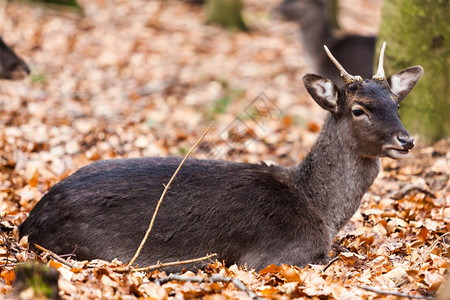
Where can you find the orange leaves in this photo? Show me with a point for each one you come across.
(284, 273)
(143, 90)
(423, 234)
(270, 269)
(313, 127)
(8, 276)
(54, 264)
(34, 179)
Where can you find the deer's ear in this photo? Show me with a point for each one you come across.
(403, 82)
(323, 91)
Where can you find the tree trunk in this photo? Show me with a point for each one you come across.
(332, 13)
(226, 13)
(417, 33)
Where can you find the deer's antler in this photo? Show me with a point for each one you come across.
(380, 72)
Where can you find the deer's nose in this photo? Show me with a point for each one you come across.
(407, 142)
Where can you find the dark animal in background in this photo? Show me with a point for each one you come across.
(355, 52)
(247, 213)
(197, 2)
(11, 65)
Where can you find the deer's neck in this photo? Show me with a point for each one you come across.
(335, 178)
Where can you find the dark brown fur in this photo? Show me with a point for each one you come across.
(247, 213)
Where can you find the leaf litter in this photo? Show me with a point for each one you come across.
(138, 78)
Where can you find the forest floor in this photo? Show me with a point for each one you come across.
(138, 78)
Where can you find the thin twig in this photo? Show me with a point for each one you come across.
(412, 187)
(306, 277)
(56, 256)
(214, 278)
(13, 264)
(331, 262)
(404, 277)
(430, 250)
(169, 264)
(393, 293)
(131, 262)
(8, 246)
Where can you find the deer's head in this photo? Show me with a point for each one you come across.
(366, 110)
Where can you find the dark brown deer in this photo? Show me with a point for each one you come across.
(11, 65)
(247, 213)
(356, 52)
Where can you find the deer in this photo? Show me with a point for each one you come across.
(11, 65)
(356, 52)
(254, 214)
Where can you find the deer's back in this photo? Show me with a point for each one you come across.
(103, 211)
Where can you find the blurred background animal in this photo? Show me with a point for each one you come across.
(317, 20)
(11, 65)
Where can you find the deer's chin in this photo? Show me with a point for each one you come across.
(395, 153)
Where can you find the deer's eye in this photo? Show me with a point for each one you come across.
(357, 112)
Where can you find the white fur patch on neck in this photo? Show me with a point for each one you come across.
(325, 89)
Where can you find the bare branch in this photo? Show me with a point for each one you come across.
(162, 265)
(412, 187)
(131, 262)
(8, 247)
(56, 256)
(404, 278)
(393, 293)
(330, 263)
